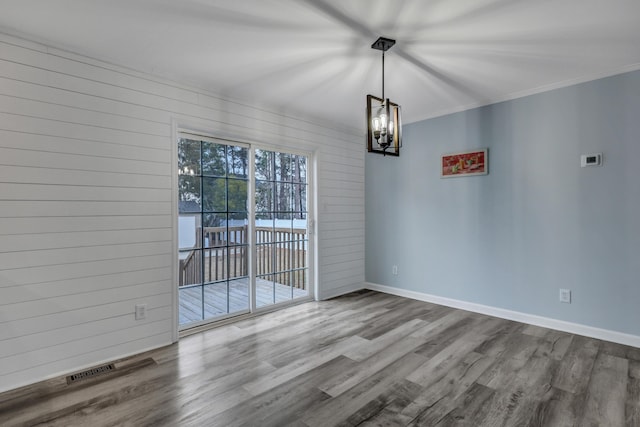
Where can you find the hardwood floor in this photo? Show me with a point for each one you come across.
(362, 359)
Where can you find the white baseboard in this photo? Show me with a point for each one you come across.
(531, 319)
(332, 293)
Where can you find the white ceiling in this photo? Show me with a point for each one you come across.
(313, 57)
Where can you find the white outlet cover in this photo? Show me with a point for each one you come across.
(565, 296)
(141, 311)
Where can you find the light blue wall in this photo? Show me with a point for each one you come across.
(538, 222)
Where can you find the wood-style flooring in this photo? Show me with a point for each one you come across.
(362, 359)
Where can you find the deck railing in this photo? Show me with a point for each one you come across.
(280, 256)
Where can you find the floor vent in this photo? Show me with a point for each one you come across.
(90, 373)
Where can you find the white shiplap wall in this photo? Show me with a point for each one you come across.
(86, 204)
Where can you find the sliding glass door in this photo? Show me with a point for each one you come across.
(228, 265)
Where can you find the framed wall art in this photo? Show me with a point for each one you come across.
(465, 163)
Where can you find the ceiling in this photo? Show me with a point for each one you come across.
(314, 57)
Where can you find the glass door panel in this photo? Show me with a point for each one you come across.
(280, 227)
(212, 230)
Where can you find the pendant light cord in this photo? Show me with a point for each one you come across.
(383, 76)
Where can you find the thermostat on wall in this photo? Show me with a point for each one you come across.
(591, 160)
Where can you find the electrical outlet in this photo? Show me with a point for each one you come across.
(141, 311)
(594, 159)
(565, 296)
(394, 270)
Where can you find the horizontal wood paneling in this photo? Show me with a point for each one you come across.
(61, 113)
(355, 168)
(344, 277)
(81, 147)
(340, 217)
(81, 285)
(44, 126)
(86, 203)
(39, 208)
(331, 185)
(44, 159)
(346, 236)
(13, 86)
(351, 193)
(49, 176)
(341, 222)
(347, 176)
(336, 248)
(338, 199)
(23, 344)
(55, 321)
(83, 360)
(340, 141)
(33, 225)
(97, 74)
(78, 239)
(31, 275)
(352, 156)
(73, 302)
(255, 123)
(59, 352)
(344, 264)
(335, 258)
(57, 257)
(13, 191)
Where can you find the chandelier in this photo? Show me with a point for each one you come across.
(384, 124)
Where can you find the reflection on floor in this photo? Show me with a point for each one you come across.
(215, 298)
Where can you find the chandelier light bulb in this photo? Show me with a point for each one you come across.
(376, 124)
(383, 123)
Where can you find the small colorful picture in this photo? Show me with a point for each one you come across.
(465, 163)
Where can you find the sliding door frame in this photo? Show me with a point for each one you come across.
(197, 130)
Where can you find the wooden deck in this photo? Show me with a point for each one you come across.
(216, 303)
